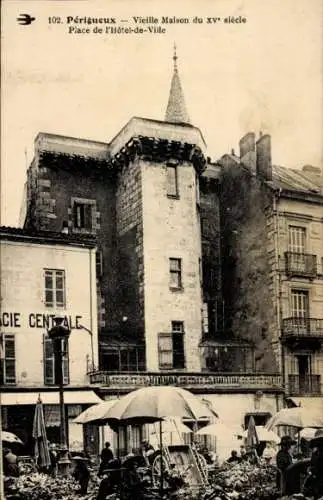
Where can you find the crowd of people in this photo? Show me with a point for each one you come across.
(299, 468)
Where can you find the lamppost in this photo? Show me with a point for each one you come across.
(59, 335)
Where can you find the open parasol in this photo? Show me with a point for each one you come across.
(153, 404)
(9, 437)
(95, 414)
(297, 417)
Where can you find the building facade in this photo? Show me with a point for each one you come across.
(151, 197)
(41, 279)
(273, 245)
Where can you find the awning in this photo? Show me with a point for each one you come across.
(49, 398)
(308, 402)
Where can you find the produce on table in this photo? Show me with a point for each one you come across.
(234, 481)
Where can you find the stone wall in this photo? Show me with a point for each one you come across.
(53, 183)
(247, 285)
(171, 230)
(129, 241)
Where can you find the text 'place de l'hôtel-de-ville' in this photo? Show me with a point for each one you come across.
(168, 268)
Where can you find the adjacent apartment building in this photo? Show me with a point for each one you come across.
(41, 279)
(272, 228)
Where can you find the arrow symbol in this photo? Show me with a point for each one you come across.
(25, 19)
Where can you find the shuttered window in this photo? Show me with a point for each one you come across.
(49, 362)
(9, 359)
(171, 347)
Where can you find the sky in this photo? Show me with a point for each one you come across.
(261, 75)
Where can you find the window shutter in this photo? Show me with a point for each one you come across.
(65, 363)
(49, 362)
(9, 359)
(165, 350)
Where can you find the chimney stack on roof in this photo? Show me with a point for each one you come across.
(247, 143)
(247, 146)
(263, 157)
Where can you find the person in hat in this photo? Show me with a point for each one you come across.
(313, 484)
(283, 461)
(106, 456)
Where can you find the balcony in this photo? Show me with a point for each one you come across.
(300, 264)
(303, 328)
(195, 382)
(304, 385)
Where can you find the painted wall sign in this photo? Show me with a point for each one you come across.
(37, 320)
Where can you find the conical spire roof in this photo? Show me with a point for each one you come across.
(176, 111)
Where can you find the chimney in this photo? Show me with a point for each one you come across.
(263, 157)
(247, 145)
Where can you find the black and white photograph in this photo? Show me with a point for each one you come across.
(161, 250)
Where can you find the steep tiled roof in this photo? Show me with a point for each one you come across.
(288, 179)
(296, 180)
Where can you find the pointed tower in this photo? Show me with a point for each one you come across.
(176, 108)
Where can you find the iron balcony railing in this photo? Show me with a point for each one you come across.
(203, 380)
(304, 385)
(300, 264)
(303, 327)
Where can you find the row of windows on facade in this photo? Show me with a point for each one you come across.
(83, 211)
(8, 365)
(170, 351)
(55, 282)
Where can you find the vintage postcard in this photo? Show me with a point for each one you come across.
(161, 241)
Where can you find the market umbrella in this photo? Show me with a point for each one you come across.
(252, 436)
(297, 417)
(9, 437)
(264, 435)
(226, 439)
(39, 434)
(152, 404)
(307, 433)
(218, 430)
(95, 414)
